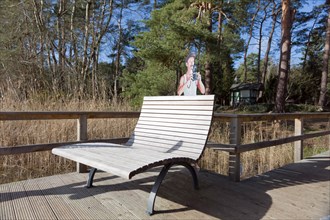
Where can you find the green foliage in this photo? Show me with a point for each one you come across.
(154, 80)
(174, 30)
(30, 54)
(223, 79)
(303, 86)
(166, 40)
(301, 108)
(244, 109)
(252, 70)
(266, 108)
(270, 89)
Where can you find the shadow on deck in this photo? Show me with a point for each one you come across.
(296, 191)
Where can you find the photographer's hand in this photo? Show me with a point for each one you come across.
(199, 77)
(200, 84)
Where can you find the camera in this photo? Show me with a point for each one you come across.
(194, 73)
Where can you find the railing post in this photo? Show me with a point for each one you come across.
(235, 158)
(82, 136)
(298, 145)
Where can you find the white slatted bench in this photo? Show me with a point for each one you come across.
(171, 130)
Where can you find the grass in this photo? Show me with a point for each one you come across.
(32, 165)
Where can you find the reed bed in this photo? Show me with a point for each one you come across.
(32, 165)
(38, 164)
(252, 162)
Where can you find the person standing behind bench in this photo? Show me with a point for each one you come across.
(189, 82)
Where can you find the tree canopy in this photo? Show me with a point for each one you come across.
(126, 49)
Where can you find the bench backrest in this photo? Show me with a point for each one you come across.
(177, 125)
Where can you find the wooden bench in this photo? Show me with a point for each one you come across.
(171, 130)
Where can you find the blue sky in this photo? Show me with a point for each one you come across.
(295, 57)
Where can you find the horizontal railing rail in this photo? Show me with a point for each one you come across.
(12, 116)
(235, 148)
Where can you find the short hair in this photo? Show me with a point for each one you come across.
(190, 55)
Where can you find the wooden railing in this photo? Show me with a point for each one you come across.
(235, 148)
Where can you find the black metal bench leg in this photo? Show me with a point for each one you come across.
(91, 177)
(161, 176)
(154, 190)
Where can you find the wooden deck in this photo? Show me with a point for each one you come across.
(296, 191)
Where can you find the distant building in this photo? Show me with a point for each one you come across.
(244, 93)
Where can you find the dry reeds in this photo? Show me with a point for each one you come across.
(252, 162)
(31, 165)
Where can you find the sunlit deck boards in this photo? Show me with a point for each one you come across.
(297, 191)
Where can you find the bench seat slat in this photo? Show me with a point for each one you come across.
(180, 98)
(94, 160)
(177, 107)
(123, 157)
(181, 154)
(116, 160)
(167, 133)
(174, 125)
(165, 147)
(156, 116)
(171, 102)
(173, 129)
(176, 112)
(96, 157)
(177, 121)
(168, 140)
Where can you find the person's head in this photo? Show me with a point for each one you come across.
(190, 60)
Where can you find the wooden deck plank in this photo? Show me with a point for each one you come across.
(95, 207)
(223, 202)
(84, 207)
(21, 203)
(296, 191)
(133, 196)
(6, 208)
(103, 181)
(39, 203)
(253, 197)
(69, 194)
(55, 198)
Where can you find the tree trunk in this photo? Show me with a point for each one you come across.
(208, 78)
(38, 14)
(259, 42)
(308, 45)
(84, 66)
(284, 65)
(249, 40)
(118, 55)
(269, 44)
(220, 37)
(92, 57)
(325, 67)
(208, 72)
(205, 9)
(73, 43)
(61, 44)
